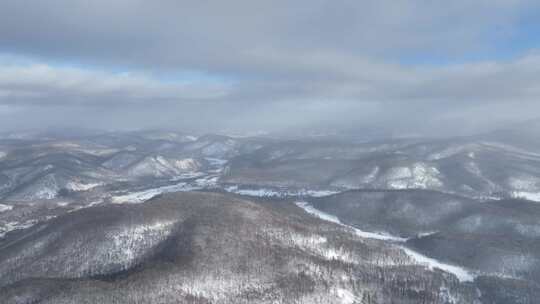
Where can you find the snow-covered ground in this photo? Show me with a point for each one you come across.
(372, 176)
(426, 234)
(474, 169)
(204, 180)
(45, 193)
(10, 226)
(268, 192)
(531, 196)
(525, 186)
(462, 274)
(345, 296)
(512, 149)
(144, 195)
(187, 176)
(4, 208)
(418, 176)
(523, 182)
(331, 218)
(131, 240)
(217, 162)
(78, 186)
(451, 151)
(209, 181)
(159, 166)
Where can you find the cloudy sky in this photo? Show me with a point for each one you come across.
(413, 66)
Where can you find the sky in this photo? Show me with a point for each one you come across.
(408, 67)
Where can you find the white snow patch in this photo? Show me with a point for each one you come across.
(331, 218)
(4, 208)
(207, 182)
(318, 245)
(399, 173)
(378, 236)
(531, 196)
(451, 151)
(94, 203)
(420, 175)
(254, 192)
(10, 226)
(77, 186)
(267, 192)
(98, 152)
(528, 230)
(213, 287)
(216, 161)
(128, 239)
(425, 176)
(454, 150)
(447, 296)
(336, 254)
(318, 193)
(345, 296)
(159, 166)
(187, 175)
(2, 154)
(186, 164)
(370, 178)
(473, 168)
(317, 213)
(524, 183)
(142, 196)
(426, 234)
(398, 184)
(46, 193)
(462, 274)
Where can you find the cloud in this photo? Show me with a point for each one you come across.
(221, 36)
(42, 84)
(271, 64)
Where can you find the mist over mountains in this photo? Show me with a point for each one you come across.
(167, 217)
(295, 152)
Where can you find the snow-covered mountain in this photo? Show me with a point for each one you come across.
(38, 169)
(500, 237)
(320, 220)
(467, 166)
(211, 248)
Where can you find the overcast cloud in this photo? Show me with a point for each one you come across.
(416, 66)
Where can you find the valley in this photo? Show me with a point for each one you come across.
(333, 219)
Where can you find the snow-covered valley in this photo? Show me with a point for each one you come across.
(415, 210)
(462, 274)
